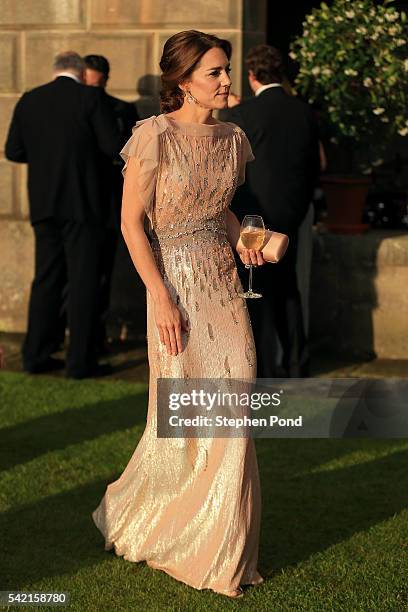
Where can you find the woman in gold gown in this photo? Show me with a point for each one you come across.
(191, 508)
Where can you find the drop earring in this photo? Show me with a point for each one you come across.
(190, 98)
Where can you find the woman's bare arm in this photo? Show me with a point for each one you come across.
(168, 317)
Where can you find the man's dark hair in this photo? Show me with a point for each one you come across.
(266, 63)
(97, 62)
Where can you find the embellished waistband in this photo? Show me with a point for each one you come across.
(202, 240)
(205, 229)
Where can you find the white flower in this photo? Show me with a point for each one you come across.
(403, 131)
(391, 16)
(331, 109)
(361, 30)
(316, 70)
(292, 55)
(406, 65)
(378, 110)
(368, 82)
(393, 30)
(384, 119)
(338, 19)
(350, 72)
(350, 14)
(399, 42)
(327, 71)
(374, 36)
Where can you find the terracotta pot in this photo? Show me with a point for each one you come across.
(345, 196)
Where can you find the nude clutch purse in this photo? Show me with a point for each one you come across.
(274, 246)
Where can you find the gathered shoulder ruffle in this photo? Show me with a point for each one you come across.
(144, 144)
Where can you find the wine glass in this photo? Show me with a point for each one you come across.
(252, 237)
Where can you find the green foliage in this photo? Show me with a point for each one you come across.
(353, 59)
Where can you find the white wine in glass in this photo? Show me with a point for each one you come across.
(252, 237)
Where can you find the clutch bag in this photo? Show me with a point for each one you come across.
(274, 246)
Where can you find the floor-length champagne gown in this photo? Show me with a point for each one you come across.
(191, 510)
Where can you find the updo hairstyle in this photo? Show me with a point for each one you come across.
(181, 54)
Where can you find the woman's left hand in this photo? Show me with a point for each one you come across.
(249, 256)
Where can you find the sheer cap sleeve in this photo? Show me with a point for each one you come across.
(144, 145)
(246, 155)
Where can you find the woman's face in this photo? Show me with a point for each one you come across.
(210, 82)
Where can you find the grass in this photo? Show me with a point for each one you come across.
(334, 519)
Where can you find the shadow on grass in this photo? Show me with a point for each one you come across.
(53, 536)
(31, 438)
(305, 513)
(129, 364)
(302, 515)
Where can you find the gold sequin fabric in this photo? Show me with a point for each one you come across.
(191, 506)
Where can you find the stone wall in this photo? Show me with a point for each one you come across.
(131, 33)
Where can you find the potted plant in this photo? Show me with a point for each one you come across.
(353, 65)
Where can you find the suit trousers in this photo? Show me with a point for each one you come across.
(304, 263)
(65, 251)
(277, 318)
(106, 272)
(107, 265)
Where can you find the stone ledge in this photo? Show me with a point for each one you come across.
(375, 247)
(358, 302)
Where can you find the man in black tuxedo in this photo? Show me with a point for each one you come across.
(62, 130)
(279, 186)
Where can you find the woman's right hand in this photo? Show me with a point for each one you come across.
(170, 324)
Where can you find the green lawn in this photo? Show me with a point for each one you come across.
(334, 519)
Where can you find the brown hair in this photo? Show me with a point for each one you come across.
(181, 54)
(266, 63)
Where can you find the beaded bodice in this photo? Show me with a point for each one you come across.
(195, 169)
(197, 177)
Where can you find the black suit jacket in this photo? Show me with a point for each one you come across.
(126, 115)
(64, 131)
(280, 181)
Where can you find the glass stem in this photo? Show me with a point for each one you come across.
(250, 278)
